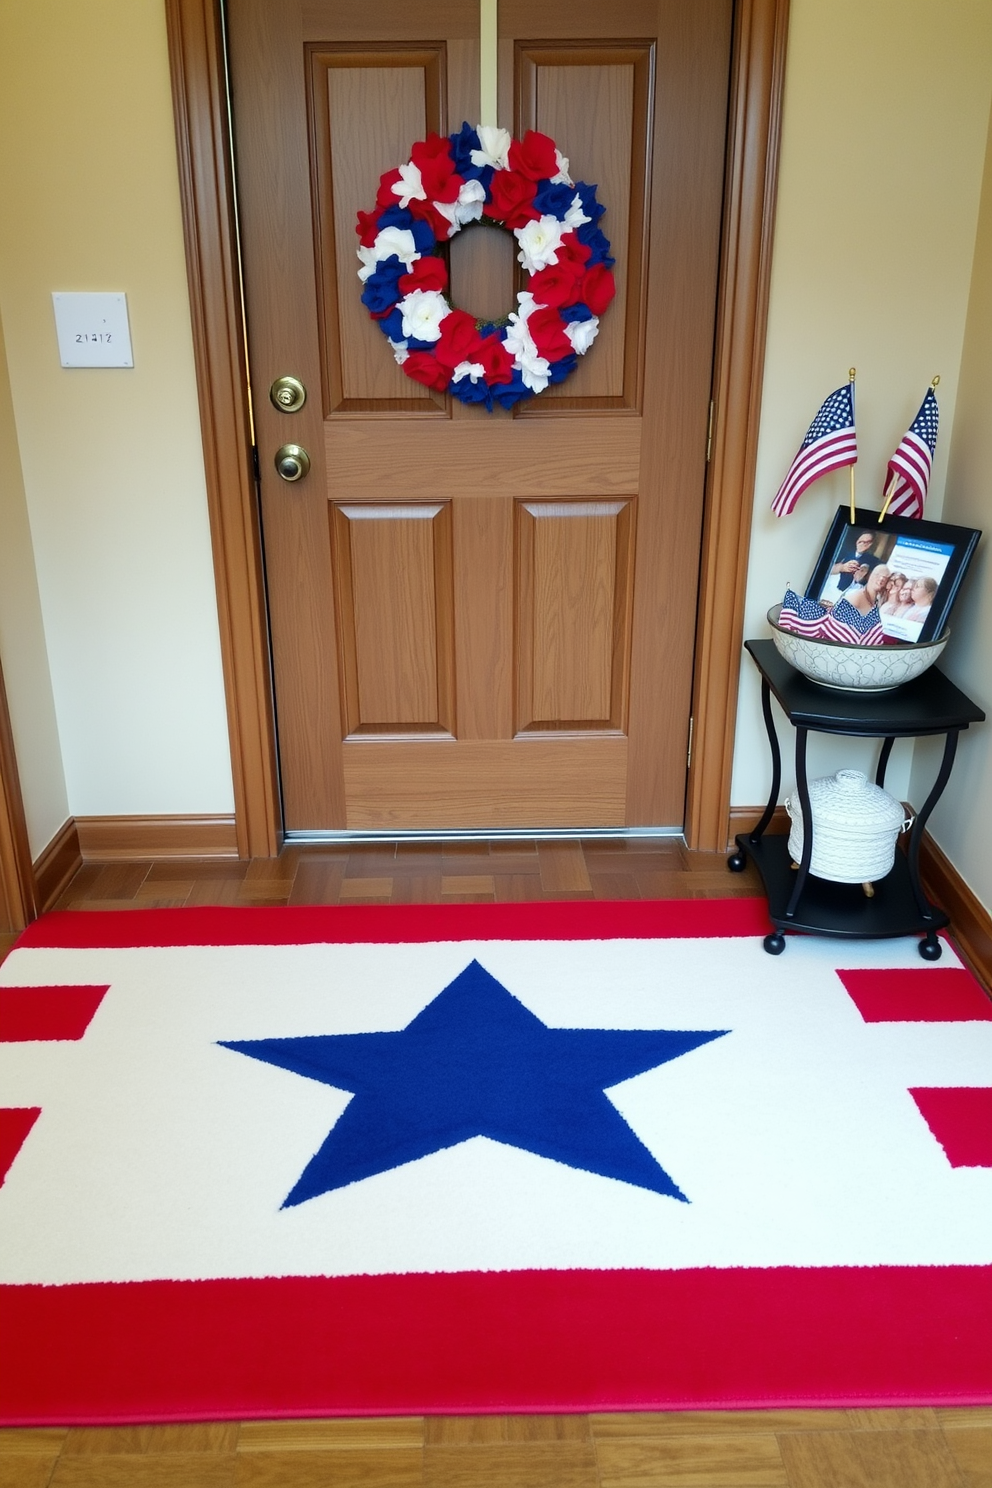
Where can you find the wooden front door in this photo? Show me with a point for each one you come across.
(481, 620)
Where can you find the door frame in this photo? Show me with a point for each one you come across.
(206, 180)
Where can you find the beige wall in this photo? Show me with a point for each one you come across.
(111, 460)
(22, 645)
(962, 823)
(884, 128)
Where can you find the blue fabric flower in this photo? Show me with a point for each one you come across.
(559, 370)
(554, 201)
(587, 196)
(598, 245)
(382, 288)
(508, 393)
(392, 325)
(398, 216)
(462, 145)
(569, 313)
(472, 392)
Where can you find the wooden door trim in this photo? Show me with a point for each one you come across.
(200, 106)
(18, 893)
(757, 78)
(206, 183)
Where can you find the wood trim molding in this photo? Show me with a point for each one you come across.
(206, 181)
(746, 818)
(137, 838)
(17, 885)
(199, 94)
(56, 865)
(758, 71)
(971, 923)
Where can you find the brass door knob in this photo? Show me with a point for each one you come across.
(288, 394)
(292, 462)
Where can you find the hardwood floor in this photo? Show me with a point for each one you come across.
(920, 1448)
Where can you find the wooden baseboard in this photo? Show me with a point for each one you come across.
(971, 922)
(135, 838)
(746, 818)
(56, 865)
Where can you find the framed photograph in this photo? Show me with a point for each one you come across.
(912, 569)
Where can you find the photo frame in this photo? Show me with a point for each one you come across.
(929, 559)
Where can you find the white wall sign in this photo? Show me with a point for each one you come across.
(93, 329)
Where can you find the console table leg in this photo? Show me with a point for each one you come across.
(766, 712)
(916, 835)
(807, 858)
(883, 760)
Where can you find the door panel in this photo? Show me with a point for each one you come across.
(481, 620)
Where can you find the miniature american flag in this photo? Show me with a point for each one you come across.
(801, 616)
(830, 443)
(909, 468)
(849, 626)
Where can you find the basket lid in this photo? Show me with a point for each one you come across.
(849, 799)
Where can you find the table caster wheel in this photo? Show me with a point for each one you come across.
(775, 944)
(931, 948)
(737, 862)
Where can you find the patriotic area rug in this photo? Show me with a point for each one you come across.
(512, 1158)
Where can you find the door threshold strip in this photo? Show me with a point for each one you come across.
(483, 834)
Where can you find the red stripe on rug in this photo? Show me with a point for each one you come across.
(15, 1123)
(498, 1342)
(960, 1117)
(918, 995)
(582, 919)
(29, 1014)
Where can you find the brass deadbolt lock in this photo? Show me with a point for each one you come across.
(288, 394)
(292, 462)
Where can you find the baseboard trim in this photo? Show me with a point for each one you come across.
(971, 923)
(135, 838)
(746, 818)
(56, 865)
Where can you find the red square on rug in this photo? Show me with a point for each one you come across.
(961, 1120)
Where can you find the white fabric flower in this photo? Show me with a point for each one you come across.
(562, 178)
(399, 351)
(535, 371)
(495, 147)
(582, 333)
(410, 186)
(398, 240)
(423, 311)
(472, 370)
(539, 242)
(575, 216)
(467, 207)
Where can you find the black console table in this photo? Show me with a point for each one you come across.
(797, 900)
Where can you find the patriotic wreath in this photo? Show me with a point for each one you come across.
(524, 186)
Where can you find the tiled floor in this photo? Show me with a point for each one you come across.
(732, 1449)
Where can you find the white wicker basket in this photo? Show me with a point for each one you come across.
(855, 826)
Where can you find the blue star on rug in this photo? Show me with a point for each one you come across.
(477, 1063)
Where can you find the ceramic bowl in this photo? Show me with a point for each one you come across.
(855, 668)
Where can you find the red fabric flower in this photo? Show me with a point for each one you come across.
(534, 156)
(368, 228)
(423, 367)
(571, 251)
(432, 157)
(427, 273)
(459, 340)
(558, 284)
(385, 196)
(512, 199)
(496, 360)
(598, 288)
(548, 330)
